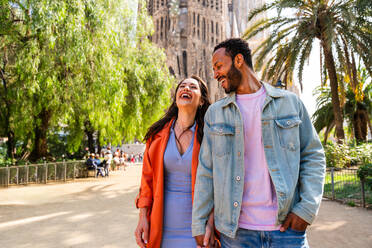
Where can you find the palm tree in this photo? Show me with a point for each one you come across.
(332, 22)
(356, 110)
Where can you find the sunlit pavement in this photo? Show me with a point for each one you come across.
(85, 213)
(101, 213)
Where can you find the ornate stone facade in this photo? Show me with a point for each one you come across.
(188, 30)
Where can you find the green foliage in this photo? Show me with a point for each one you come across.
(78, 66)
(365, 174)
(337, 155)
(363, 153)
(354, 101)
(365, 171)
(343, 155)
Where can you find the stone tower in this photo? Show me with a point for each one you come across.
(188, 30)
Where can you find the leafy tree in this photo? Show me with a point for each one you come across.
(15, 41)
(81, 67)
(136, 86)
(334, 23)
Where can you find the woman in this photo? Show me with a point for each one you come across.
(169, 169)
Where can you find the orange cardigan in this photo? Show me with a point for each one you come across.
(151, 193)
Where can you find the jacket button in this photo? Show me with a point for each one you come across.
(236, 204)
(237, 178)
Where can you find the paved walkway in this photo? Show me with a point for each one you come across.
(100, 213)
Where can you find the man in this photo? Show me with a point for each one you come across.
(108, 159)
(261, 164)
(90, 162)
(99, 165)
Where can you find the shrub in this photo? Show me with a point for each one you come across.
(343, 155)
(365, 174)
(337, 155)
(364, 153)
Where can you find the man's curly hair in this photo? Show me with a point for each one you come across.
(235, 46)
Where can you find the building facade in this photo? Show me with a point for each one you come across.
(188, 30)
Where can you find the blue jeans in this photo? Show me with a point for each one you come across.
(266, 239)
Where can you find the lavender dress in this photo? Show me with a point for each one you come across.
(177, 196)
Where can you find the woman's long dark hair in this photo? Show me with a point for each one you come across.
(172, 112)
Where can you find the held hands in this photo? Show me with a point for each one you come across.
(294, 222)
(142, 230)
(208, 239)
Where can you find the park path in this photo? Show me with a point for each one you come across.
(100, 213)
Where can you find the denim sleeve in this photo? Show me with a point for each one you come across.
(203, 194)
(312, 169)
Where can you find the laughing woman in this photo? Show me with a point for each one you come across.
(169, 169)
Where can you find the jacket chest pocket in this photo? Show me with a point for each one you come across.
(223, 138)
(288, 131)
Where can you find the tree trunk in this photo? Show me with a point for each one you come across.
(40, 142)
(330, 65)
(369, 123)
(89, 131)
(99, 147)
(327, 131)
(7, 113)
(10, 145)
(360, 123)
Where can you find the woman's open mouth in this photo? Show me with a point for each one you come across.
(186, 95)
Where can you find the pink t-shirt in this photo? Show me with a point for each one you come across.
(259, 206)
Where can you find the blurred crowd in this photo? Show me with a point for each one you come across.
(106, 161)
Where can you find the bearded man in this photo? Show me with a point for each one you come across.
(261, 164)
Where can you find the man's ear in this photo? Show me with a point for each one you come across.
(239, 60)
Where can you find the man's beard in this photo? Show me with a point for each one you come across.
(234, 77)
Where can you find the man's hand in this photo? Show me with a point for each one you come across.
(142, 230)
(207, 239)
(294, 222)
(199, 240)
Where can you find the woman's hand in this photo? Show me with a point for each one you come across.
(142, 230)
(209, 238)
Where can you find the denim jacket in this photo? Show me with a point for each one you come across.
(294, 155)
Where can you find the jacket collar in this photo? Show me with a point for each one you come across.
(270, 91)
